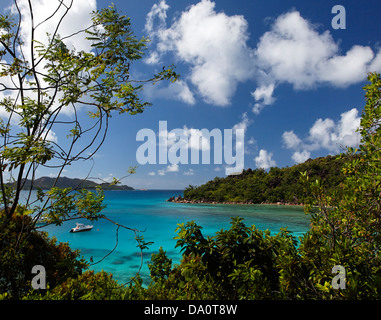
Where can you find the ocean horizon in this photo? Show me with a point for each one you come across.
(148, 211)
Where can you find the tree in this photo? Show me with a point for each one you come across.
(20, 250)
(46, 84)
(345, 229)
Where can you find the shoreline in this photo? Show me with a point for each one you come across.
(180, 199)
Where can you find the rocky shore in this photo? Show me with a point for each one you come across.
(180, 199)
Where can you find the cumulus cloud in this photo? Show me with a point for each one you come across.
(169, 168)
(173, 168)
(334, 137)
(264, 97)
(77, 18)
(294, 52)
(214, 47)
(291, 140)
(51, 16)
(212, 44)
(300, 157)
(264, 160)
(325, 135)
(244, 123)
(178, 90)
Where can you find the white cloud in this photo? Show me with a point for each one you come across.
(153, 58)
(264, 93)
(193, 138)
(325, 135)
(252, 141)
(158, 11)
(109, 178)
(346, 132)
(178, 90)
(213, 44)
(351, 68)
(50, 136)
(321, 134)
(151, 173)
(376, 63)
(300, 157)
(293, 51)
(169, 168)
(189, 138)
(245, 122)
(182, 92)
(190, 172)
(173, 168)
(264, 160)
(334, 137)
(291, 140)
(77, 18)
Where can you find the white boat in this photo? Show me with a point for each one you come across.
(81, 227)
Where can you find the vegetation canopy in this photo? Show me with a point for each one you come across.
(278, 185)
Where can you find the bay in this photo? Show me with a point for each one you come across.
(148, 211)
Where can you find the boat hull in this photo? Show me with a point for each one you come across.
(80, 230)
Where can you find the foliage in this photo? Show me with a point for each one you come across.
(87, 286)
(346, 228)
(46, 86)
(21, 249)
(277, 185)
(57, 80)
(160, 266)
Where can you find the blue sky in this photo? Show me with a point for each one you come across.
(275, 68)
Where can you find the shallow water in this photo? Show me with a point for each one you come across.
(149, 211)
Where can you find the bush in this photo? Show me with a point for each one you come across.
(22, 248)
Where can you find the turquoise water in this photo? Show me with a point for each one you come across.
(149, 211)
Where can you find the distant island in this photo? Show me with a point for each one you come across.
(47, 183)
(280, 186)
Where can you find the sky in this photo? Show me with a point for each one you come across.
(288, 74)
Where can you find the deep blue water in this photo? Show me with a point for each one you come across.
(149, 211)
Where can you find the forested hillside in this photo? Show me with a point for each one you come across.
(46, 183)
(277, 185)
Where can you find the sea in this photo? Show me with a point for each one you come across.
(157, 220)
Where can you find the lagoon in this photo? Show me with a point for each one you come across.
(149, 211)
